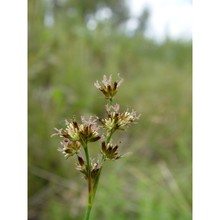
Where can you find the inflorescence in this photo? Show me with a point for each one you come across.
(77, 135)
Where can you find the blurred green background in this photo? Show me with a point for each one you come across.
(69, 48)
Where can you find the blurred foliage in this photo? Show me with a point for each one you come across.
(66, 57)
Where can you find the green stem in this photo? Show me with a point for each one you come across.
(108, 138)
(89, 207)
(88, 169)
(90, 189)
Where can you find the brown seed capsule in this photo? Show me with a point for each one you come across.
(81, 161)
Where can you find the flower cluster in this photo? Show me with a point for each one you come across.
(116, 120)
(94, 168)
(76, 135)
(109, 151)
(69, 147)
(109, 88)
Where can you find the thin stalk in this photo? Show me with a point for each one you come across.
(88, 169)
(90, 189)
(108, 138)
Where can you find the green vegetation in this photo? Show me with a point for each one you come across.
(64, 61)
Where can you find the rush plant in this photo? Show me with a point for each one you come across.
(77, 136)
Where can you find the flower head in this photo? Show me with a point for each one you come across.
(110, 151)
(116, 120)
(69, 148)
(76, 135)
(94, 168)
(108, 88)
(85, 132)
